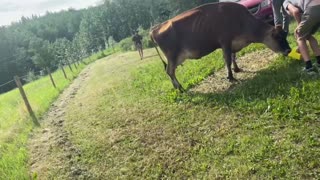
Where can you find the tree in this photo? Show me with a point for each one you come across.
(43, 55)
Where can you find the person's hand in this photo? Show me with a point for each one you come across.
(295, 12)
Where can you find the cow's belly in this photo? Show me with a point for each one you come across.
(198, 49)
(194, 53)
(238, 44)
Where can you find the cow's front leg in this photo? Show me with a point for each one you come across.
(228, 61)
(171, 71)
(236, 68)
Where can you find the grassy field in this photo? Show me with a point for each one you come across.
(15, 123)
(135, 126)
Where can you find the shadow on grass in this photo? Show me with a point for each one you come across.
(273, 82)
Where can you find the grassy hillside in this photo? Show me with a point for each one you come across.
(128, 122)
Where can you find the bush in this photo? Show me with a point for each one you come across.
(126, 44)
(30, 77)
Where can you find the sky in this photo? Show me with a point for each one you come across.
(13, 10)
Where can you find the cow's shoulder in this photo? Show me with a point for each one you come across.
(169, 25)
(186, 15)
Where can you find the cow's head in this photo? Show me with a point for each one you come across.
(276, 40)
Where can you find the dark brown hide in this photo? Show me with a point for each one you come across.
(199, 31)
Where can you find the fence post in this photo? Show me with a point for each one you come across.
(25, 99)
(64, 73)
(75, 65)
(70, 66)
(49, 72)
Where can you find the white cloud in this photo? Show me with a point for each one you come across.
(13, 10)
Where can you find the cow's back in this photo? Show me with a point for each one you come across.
(214, 21)
(204, 28)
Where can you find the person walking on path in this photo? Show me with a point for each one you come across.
(136, 38)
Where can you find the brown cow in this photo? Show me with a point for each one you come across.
(199, 31)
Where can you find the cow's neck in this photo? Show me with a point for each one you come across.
(261, 31)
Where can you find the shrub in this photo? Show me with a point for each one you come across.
(30, 77)
(126, 44)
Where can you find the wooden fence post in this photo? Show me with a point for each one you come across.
(75, 65)
(25, 99)
(70, 66)
(64, 73)
(49, 72)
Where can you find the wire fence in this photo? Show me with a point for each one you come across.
(16, 81)
(4, 84)
(11, 82)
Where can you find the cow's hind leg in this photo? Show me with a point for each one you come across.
(236, 68)
(228, 60)
(171, 71)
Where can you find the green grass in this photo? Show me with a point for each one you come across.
(135, 126)
(15, 123)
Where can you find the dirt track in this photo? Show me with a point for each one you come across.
(50, 147)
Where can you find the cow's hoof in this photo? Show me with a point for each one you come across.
(232, 79)
(237, 70)
(181, 89)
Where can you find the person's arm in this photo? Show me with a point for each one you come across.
(294, 11)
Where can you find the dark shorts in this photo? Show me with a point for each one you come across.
(310, 22)
(138, 45)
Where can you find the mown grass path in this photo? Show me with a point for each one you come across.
(50, 148)
(51, 152)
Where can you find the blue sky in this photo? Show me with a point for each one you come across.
(13, 10)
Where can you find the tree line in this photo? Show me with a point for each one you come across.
(62, 38)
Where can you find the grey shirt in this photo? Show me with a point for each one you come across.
(302, 4)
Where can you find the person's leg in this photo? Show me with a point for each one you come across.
(315, 48)
(277, 15)
(286, 18)
(308, 26)
(141, 52)
(314, 45)
(138, 49)
(303, 32)
(303, 48)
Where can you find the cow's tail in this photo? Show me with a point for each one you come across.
(155, 45)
